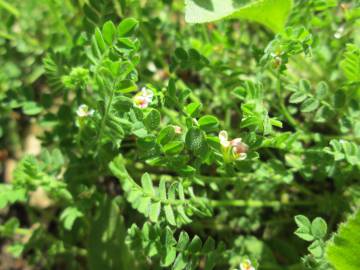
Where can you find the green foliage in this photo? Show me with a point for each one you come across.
(344, 150)
(177, 254)
(167, 203)
(130, 139)
(350, 65)
(315, 233)
(342, 251)
(272, 14)
(29, 175)
(10, 195)
(106, 243)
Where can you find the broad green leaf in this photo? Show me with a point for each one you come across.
(271, 13)
(343, 250)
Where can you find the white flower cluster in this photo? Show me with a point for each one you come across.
(83, 111)
(246, 265)
(143, 98)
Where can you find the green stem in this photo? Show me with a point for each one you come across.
(283, 108)
(18, 231)
(205, 34)
(244, 203)
(103, 120)
(257, 203)
(10, 8)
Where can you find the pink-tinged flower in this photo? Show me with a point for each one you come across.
(239, 148)
(83, 111)
(143, 98)
(246, 265)
(178, 130)
(234, 149)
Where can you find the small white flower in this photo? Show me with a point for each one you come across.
(178, 130)
(143, 98)
(223, 136)
(246, 265)
(151, 66)
(83, 111)
(339, 33)
(241, 156)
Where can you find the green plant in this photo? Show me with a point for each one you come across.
(341, 251)
(144, 142)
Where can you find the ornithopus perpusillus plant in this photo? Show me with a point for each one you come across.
(196, 134)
